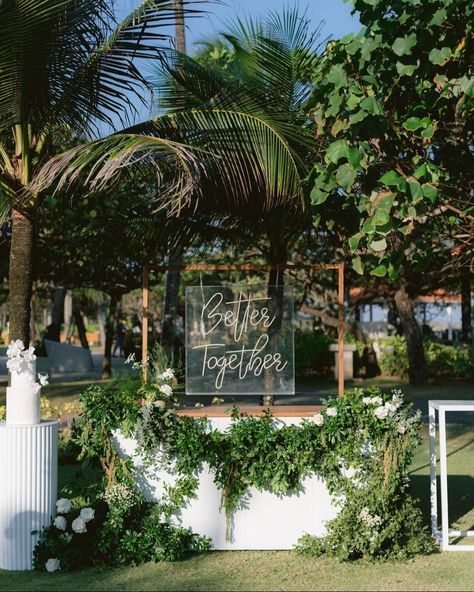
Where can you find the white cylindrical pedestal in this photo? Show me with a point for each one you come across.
(28, 489)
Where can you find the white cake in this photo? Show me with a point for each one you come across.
(23, 394)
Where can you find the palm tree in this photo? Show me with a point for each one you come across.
(66, 69)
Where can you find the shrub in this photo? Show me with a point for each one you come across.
(312, 355)
(442, 360)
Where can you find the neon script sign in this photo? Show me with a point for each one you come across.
(239, 340)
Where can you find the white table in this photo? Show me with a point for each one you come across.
(443, 535)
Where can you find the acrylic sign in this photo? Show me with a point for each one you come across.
(239, 340)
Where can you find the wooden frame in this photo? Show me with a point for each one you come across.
(203, 267)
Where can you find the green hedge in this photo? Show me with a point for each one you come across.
(312, 355)
(442, 360)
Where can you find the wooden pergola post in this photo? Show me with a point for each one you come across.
(204, 267)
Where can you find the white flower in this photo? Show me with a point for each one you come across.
(87, 514)
(198, 405)
(401, 428)
(63, 505)
(397, 399)
(331, 411)
(166, 390)
(381, 412)
(43, 378)
(60, 522)
(15, 364)
(15, 348)
(318, 419)
(130, 359)
(79, 525)
(217, 401)
(168, 374)
(52, 564)
(367, 400)
(348, 473)
(29, 354)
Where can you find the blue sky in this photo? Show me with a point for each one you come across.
(336, 15)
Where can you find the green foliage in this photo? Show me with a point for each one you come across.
(396, 110)
(442, 360)
(362, 444)
(312, 355)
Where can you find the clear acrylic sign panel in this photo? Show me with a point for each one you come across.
(239, 340)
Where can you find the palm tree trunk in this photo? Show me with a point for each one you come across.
(180, 30)
(414, 338)
(20, 279)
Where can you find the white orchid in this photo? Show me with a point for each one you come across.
(60, 523)
(53, 564)
(87, 514)
(79, 525)
(29, 354)
(15, 348)
(43, 379)
(63, 505)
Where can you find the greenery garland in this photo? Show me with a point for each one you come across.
(362, 444)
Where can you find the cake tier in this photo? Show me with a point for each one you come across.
(26, 376)
(23, 405)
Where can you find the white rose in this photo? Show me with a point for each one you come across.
(60, 522)
(377, 401)
(381, 412)
(87, 514)
(367, 400)
(79, 525)
(318, 419)
(331, 411)
(401, 429)
(166, 390)
(63, 505)
(43, 378)
(52, 564)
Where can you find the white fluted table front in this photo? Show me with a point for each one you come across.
(28, 489)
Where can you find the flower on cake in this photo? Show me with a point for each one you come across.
(53, 564)
(63, 505)
(43, 379)
(60, 523)
(15, 348)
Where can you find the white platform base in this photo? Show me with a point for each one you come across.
(28, 489)
(266, 520)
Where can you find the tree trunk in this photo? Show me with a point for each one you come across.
(57, 314)
(109, 337)
(81, 328)
(413, 336)
(20, 279)
(170, 308)
(466, 307)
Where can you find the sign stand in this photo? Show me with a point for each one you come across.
(442, 536)
(203, 267)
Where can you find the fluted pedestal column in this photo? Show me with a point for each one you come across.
(28, 489)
